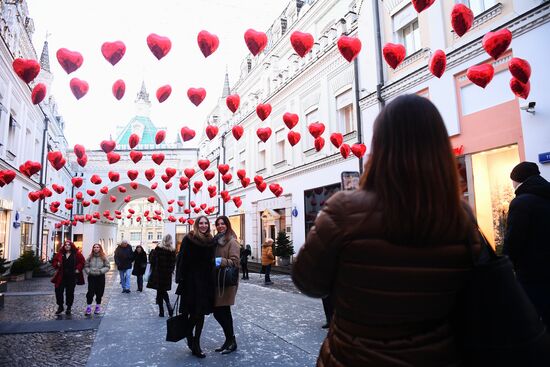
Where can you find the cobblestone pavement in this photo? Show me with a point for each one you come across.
(282, 282)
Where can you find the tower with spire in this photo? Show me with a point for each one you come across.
(226, 91)
(45, 75)
(143, 104)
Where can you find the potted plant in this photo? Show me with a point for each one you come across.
(17, 270)
(26, 264)
(283, 248)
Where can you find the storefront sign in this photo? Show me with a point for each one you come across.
(544, 157)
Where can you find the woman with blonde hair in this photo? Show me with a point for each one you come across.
(195, 265)
(162, 259)
(96, 267)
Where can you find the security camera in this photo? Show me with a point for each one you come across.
(529, 107)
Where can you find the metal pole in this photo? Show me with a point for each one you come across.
(358, 109)
(71, 215)
(379, 64)
(43, 173)
(222, 151)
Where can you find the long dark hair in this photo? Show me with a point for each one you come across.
(413, 171)
(229, 232)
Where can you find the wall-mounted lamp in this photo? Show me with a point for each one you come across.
(529, 107)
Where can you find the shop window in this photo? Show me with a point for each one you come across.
(311, 116)
(79, 208)
(406, 30)
(135, 236)
(26, 237)
(261, 155)
(344, 112)
(149, 236)
(280, 140)
(478, 6)
(12, 136)
(314, 200)
(493, 190)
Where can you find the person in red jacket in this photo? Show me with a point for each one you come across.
(69, 263)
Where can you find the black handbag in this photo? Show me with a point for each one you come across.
(177, 326)
(227, 276)
(496, 323)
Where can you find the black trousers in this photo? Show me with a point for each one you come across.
(267, 273)
(140, 282)
(96, 287)
(244, 267)
(162, 296)
(223, 316)
(66, 286)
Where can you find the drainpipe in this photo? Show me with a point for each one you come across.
(71, 215)
(43, 173)
(379, 65)
(222, 151)
(358, 109)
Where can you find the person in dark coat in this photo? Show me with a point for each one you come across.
(69, 263)
(140, 264)
(245, 253)
(527, 239)
(194, 275)
(394, 254)
(162, 260)
(123, 260)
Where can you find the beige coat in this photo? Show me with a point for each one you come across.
(230, 254)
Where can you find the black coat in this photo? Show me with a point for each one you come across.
(527, 240)
(124, 257)
(194, 275)
(162, 266)
(245, 253)
(140, 263)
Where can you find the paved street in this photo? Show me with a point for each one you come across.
(274, 325)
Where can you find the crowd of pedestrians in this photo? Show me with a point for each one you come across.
(391, 260)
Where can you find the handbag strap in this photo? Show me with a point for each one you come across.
(176, 305)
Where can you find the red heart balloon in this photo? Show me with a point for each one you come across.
(170, 172)
(421, 5)
(336, 139)
(196, 95)
(232, 101)
(290, 119)
(160, 136)
(114, 176)
(7, 176)
(104, 190)
(154, 186)
(133, 141)
(241, 174)
(113, 157)
(223, 168)
(263, 133)
(165, 178)
(462, 19)
(38, 93)
(54, 157)
(188, 172)
(211, 131)
(245, 181)
(136, 156)
(113, 199)
(122, 189)
(520, 69)
(520, 89)
(158, 158)
(197, 184)
(276, 189)
(69, 60)
(345, 150)
(301, 42)
(316, 129)
(79, 150)
(151, 199)
(134, 185)
(26, 69)
(79, 87)
(293, 137)
(255, 41)
(237, 131)
(77, 181)
(496, 43)
(208, 42)
(164, 92)
(258, 179)
(107, 145)
(261, 186)
(349, 47)
(95, 179)
(227, 178)
(203, 164)
(438, 63)
(237, 201)
(119, 88)
(481, 75)
(209, 175)
(187, 133)
(159, 45)
(358, 149)
(319, 143)
(82, 161)
(57, 188)
(113, 51)
(34, 195)
(263, 111)
(132, 174)
(168, 186)
(394, 54)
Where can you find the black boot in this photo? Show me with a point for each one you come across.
(196, 349)
(60, 310)
(161, 310)
(231, 347)
(223, 347)
(68, 311)
(190, 341)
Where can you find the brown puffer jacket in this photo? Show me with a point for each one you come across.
(392, 302)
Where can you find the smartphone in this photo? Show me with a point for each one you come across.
(350, 180)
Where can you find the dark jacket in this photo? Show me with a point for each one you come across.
(194, 275)
(527, 240)
(78, 262)
(392, 302)
(140, 263)
(162, 261)
(245, 253)
(124, 257)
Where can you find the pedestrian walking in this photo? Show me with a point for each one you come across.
(96, 267)
(140, 265)
(394, 253)
(267, 259)
(227, 255)
(69, 263)
(162, 259)
(123, 260)
(527, 239)
(245, 253)
(195, 265)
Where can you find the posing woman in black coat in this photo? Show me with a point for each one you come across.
(140, 264)
(162, 259)
(194, 271)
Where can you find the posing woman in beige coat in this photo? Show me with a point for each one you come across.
(227, 254)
